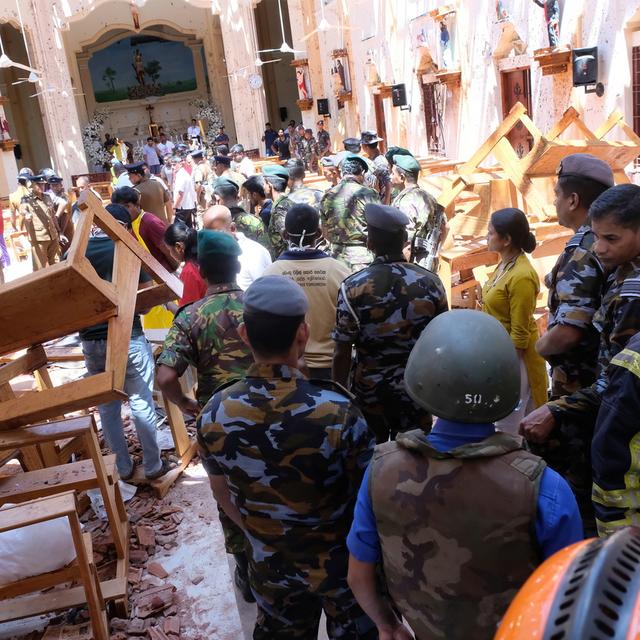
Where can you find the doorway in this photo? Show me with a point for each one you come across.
(279, 78)
(516, 87)
(381, 123)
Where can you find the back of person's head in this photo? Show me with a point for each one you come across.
(255, 184)
(119, 168)
(120, 213)
(622, 203)
(279, 184)
(351, 168)
(384, 242)
(513, 223)
(296, 169)
(178, 231)
(274, 309)
(125, 195)
(217, 218)
(222, 150)
(218, 256)
(302, 224)
(227, 192)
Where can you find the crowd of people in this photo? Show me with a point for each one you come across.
(364, 443)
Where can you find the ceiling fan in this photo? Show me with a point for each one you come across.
(324, 25)
(33, 77)
(284, 47)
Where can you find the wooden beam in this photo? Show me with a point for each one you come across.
(72, 396)
(567, 119)
(35, 358)
(38, 510)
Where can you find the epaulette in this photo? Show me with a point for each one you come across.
(630, 288)
(331, 385)
(24, 200)
(577, 239)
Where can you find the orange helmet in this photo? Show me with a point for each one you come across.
(588, 591)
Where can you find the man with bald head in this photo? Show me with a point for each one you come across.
(254, 258)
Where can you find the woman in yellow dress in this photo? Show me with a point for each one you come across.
(510, 296)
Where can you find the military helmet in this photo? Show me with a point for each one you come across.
(587, 590)
(465, 368)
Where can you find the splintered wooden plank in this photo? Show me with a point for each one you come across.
(73, 396)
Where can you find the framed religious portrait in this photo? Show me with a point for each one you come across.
(303, 84)
(340, 78)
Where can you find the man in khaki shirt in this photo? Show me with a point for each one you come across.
(319, 275)
(154, 196)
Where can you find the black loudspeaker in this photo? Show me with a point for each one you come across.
(399, 95)
(284, 113)
(323, 106)
(585, 66)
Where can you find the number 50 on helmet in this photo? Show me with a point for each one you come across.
(464, 368)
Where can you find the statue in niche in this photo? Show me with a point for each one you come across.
(135, 15)
(552, 18)
(445, 45)
(138, 67)
(501, 11)
(301, 81)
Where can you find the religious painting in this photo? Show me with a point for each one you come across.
(419, 30)
(446, 42)
(141, 66)
(340, 79)
(302, 82)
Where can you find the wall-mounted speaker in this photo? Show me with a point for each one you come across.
(585, 66)
(323, 106)
(399, 95)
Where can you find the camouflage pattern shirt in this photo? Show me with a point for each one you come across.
(575, 290)
(421, 208)
(306, 195)
(308, 150)
(342, 212)
(382, 173)
(382, 310)
(276, 224)
(205, 334)
(252, 226)
(323, 144)
(617, 320)
(293, 452)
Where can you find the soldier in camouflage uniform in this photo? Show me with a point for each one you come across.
(40, 222)
(323, 144)
(342, 214)
(285, 456)
(226, 193)
(615, 219)
(461, 516)
(382, 310)
(298, 192)
(309, 156)
(575, 284)
(427, 216)
(204, 334)
(381, 168)
(276, 179)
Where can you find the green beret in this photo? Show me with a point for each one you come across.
(355, 158)
(396, 151)
(217, 243)
(223, 181)
(275, 171)
(408, 163)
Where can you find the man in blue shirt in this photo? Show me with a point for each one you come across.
(461, 516)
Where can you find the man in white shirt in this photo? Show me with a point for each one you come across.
(151, 156)
(165, 147)
(122, 176)
(241, 163)
(194, 134)
(254, 258)
(184, 195)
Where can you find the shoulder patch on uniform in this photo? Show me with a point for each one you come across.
(528, 466)
(628, 359)
(331, 385)
(630, 288)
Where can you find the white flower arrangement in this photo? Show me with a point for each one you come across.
(208, 111)
(92, 139)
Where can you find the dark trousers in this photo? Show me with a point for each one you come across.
(186, 216)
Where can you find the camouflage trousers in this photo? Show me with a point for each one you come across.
(234, 540)
(354, 256)
(293, 612)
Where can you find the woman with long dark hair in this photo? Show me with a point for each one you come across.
(182, 241)
(510, 296)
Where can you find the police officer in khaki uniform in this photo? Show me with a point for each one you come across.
(40, 222)
(15, 198)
